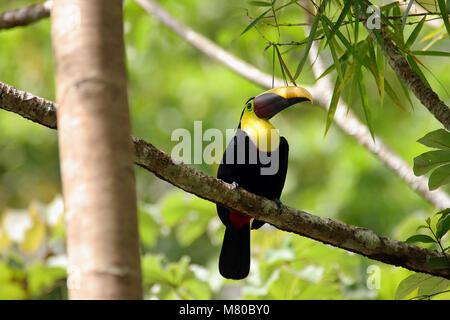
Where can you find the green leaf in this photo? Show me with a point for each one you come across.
(436, 139)
(442, 227)
(420, 238)
(259, 4)
(254, 22)
(429, 160)
(413, 36)
(333, 104)
(438, 263)
(433, 285)
(333, 51)
(413, 64)
(381, 67)
(392, 94)
(336, 26)
(443, 213)
(421, 227)
(312, 33)
(444, 13)
(431, 53)
(409, 284)
(405, 14)
(439, 177)
(365, 104)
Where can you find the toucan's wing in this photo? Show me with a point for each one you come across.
(279, 178)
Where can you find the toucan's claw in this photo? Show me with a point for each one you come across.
(279, 205)
(235, 185)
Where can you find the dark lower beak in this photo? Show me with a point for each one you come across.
(271, 102)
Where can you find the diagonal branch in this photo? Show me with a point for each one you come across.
(400, 65)
(359, 240)
(322, 93)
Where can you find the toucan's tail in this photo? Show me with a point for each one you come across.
(234, 261)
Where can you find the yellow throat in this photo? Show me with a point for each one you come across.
(263, 134)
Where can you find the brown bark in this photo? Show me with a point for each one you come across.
(359, 240)
(95, 150)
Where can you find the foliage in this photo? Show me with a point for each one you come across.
(427, 285)
(352, 49)
(171, 85)
(427, 161)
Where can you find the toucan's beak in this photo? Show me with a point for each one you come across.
(269, 103)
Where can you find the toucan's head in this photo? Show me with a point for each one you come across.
(269, 103)
(258, 110)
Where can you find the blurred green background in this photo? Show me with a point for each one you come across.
(171, 85)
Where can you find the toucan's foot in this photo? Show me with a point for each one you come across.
(235, 185)
(279, 205)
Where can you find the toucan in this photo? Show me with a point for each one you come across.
(256, 159)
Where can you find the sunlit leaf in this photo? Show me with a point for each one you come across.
(433, 285)
(409, 284)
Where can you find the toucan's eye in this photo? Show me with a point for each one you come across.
(249, 106)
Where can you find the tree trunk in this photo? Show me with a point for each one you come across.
(96, 150)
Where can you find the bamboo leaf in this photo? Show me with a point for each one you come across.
(413, 36)
(405, 14)
(413, 64)
(444, 13)
(431, 53)
(333, 104)
(392, 94)
(283, 65)
(312, 33)
(381, 67)
(254, 22)
(333, 51)
(365, 104)
(338, 23)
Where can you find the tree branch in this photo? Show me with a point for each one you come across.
(359, 240)
(398, 63)
(25, 16)
(322, 93)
